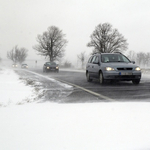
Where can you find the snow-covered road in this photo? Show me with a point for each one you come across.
(55, 126)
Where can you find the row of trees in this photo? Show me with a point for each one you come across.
(52, 43)
(141, 58)
(104, 39)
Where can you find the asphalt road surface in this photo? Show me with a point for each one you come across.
(94, 92)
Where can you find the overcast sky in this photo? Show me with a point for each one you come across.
(23, 20)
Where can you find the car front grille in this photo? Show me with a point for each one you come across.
(125, 77)
(53, 67)
(124, 68)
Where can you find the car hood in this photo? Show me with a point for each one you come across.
(120, 65)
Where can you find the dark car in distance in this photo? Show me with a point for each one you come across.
(24, 66)
(112, 66)
(50, 67)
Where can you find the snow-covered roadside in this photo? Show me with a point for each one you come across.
(17, 89)
(12, 90)
(106, 126)
(53, 126)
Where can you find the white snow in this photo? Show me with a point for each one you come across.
(53, 80)
(12, 90)
(53, 126)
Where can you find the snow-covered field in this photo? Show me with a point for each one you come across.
(55, 126)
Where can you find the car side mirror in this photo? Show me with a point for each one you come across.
(133, 62)
(95, 62)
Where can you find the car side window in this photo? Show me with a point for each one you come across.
(93, 59)
(96, 59)
(90, 59)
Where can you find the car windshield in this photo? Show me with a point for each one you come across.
(51, 63)
(106, 58)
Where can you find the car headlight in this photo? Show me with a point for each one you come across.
(48, 67)
(57, 67)
(137, 68)
(109, 69)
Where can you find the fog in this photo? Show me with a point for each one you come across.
(22, 21)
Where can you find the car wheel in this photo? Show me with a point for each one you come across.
(136, 81)
(101, 78)
(88, 77)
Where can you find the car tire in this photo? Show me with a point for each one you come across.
(136, 81)
(101, 78)
(88, 77)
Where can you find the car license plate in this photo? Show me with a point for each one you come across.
(125, 73)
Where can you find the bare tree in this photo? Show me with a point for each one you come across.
(104, 39)
(140, 58)
(21, 55)
(12, 54)
(17, 55)
(131, 55)
(81, 57)
(51, 44)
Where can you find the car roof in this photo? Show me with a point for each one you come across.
(107, 53)
(98, 54)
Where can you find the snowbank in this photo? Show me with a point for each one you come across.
(95, 126)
